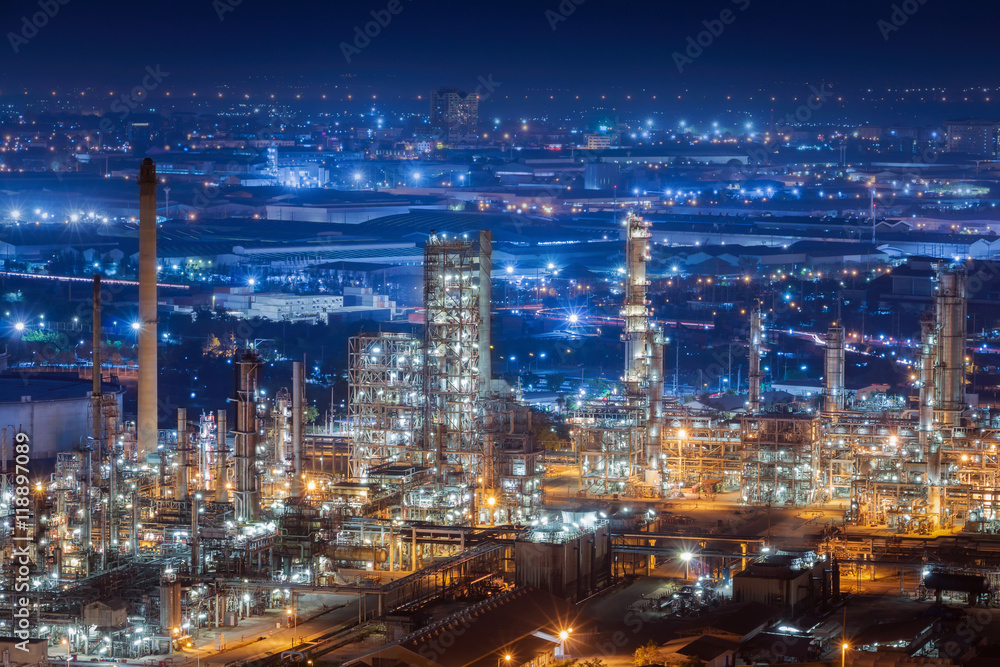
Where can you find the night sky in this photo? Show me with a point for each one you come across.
(613, 48)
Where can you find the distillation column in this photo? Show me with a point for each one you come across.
(485, 300)
(247, 494)
(951, 320)
(221, 451)
(634, 310)
(643, 342)
(833, 399)
(181, 476)
(655, 397)
(147, 420)
(928, 445)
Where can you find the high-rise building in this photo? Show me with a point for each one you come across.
(454, 115)
(975, 136)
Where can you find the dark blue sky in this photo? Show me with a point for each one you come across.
(603, 46)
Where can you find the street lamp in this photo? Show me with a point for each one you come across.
(686, 557)
(506, 658)
(492, 501)
(843, 653)
(563, 636)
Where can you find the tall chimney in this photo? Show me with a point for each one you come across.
(95, 414)
(96, 367)
(756, 347)
(147, 421)
(297, 428)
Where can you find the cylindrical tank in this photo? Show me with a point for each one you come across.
(834, 371)
(951, 320)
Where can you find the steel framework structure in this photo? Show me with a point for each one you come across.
(453, 420)
(701, 451)
(609, 441)
(385, 417)
(781, 462)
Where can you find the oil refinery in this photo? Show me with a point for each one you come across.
(144, 536)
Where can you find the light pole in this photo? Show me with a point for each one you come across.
(506, 658)
(563, 636)
(843, 653)
(292, 621)
(686, 557)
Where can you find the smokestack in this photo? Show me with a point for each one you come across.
(95, 413)
(221, 450)
(147, 420)
(485, 298)
(297, 428)
(181, 478)
(95, 367)
(833, 401)
(756, 343)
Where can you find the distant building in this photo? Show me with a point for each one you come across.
(793, 582)
(603, 176)
(454, 115)
(976, 136)
(598, 141)
(106, 614)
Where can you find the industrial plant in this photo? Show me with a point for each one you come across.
(144, 536)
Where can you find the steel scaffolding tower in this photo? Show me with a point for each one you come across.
(781, 462)
(608, 441)
(384, 412)
(453, 414)
(701, 451)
